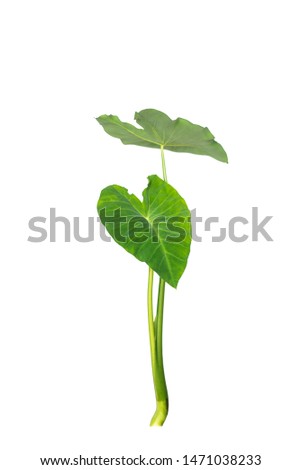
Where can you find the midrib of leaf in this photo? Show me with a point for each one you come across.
(161, 243)
(139, 136)
(164, 250)
(155, 132)
(167, 261)
(164, 144)
(170, 136)
(128, 202)
(187, 145)
(161, 203)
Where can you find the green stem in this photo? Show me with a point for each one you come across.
(163, 164)
(151, 326)
(155, 339)
(161, 389)
(155, 334)
(159, 327)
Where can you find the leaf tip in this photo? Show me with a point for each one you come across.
(100, 119)
(225, 159)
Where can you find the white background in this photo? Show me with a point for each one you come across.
(75, 366)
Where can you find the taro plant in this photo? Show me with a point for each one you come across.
(156, 230)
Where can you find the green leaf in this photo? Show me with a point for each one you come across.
(156, 230)
(158, 130)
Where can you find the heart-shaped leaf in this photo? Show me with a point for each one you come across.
(156, 230)
(158, 130)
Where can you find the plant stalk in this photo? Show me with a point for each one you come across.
(163, 164)
(155, 327)
(151, 325)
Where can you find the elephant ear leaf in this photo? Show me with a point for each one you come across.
(156, 230)
(157, 130)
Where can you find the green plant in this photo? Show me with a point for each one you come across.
(156, 230)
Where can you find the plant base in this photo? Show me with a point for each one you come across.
(160, 413)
